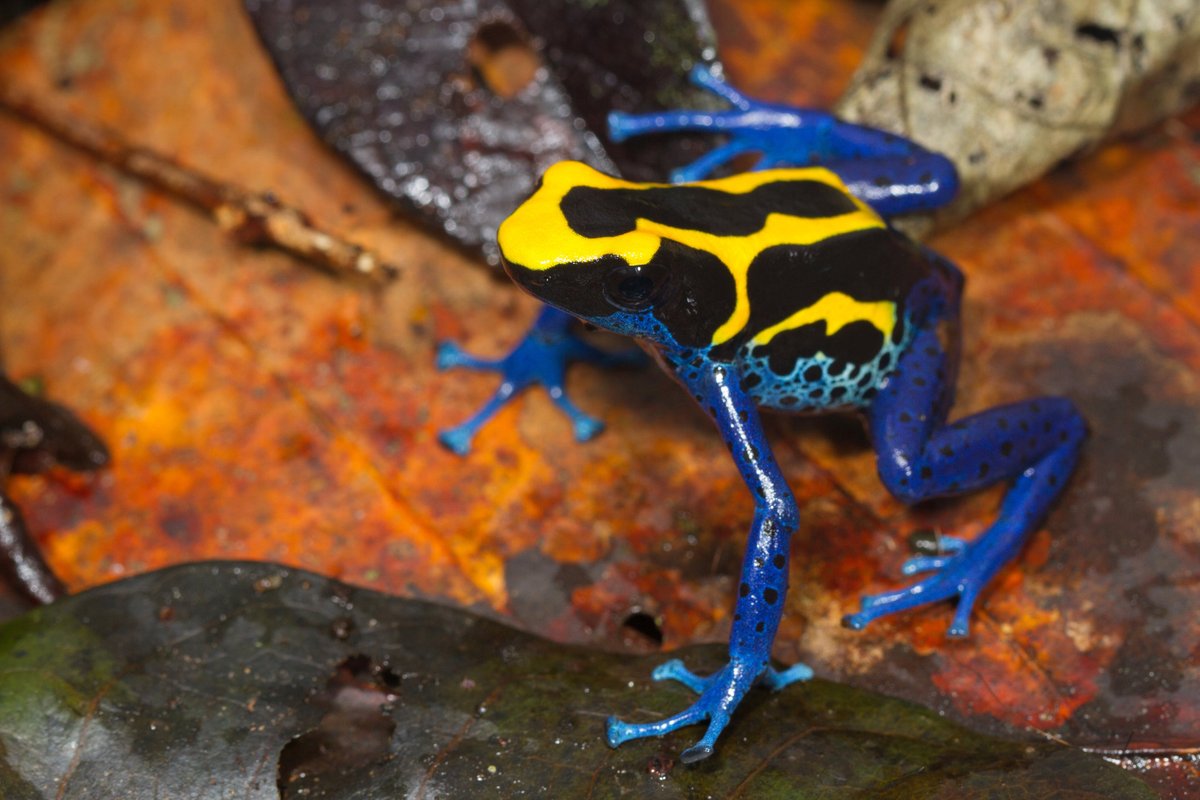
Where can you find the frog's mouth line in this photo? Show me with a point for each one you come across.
(577, 289)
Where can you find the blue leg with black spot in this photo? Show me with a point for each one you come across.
(764, 580)
(892, 174)
(1035, 444)
(540, 358)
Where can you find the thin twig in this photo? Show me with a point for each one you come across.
(253, 219)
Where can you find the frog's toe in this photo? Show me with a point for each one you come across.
(587, 428)
(935, 554)
(704, 748)
(689, 173)
(622, 125)
(674, 670)
(775, 680)
(703, 166)
(960, 627)
(457, 439)
(928, 542)
(951, 544)
(618, 732)
(771, 678)
(919, 564)
(450, 356)
(929, 590)
(584, 426)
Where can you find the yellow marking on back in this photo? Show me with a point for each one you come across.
(838, 310)
(537, 235)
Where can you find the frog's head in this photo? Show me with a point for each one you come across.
(601, 249)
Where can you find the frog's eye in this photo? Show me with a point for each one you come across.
(634, 288)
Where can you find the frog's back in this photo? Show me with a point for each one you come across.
(827, 320)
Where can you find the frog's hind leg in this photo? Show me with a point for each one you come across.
(892, 174)
(1034, 444)
(540, 358)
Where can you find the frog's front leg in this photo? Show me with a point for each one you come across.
(889, 172)
(541, 358)
(1034, 443)
(764, 578)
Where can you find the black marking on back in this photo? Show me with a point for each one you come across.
(856, 343)
(595, 213)
(700, 294)
(868, 265)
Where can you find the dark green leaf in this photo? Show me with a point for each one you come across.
(251, 680)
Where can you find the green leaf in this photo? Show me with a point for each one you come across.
(252, 680)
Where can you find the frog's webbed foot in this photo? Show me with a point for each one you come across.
(962, 570)
(720, 694)
(541, 358)
(1032, 444)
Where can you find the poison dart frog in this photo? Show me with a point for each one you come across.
(780, 289)
(893, 174)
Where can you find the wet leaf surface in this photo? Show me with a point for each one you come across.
(256, 681)
(258, 410)
(455, 108)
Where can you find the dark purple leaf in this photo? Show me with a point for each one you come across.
(455, 108)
